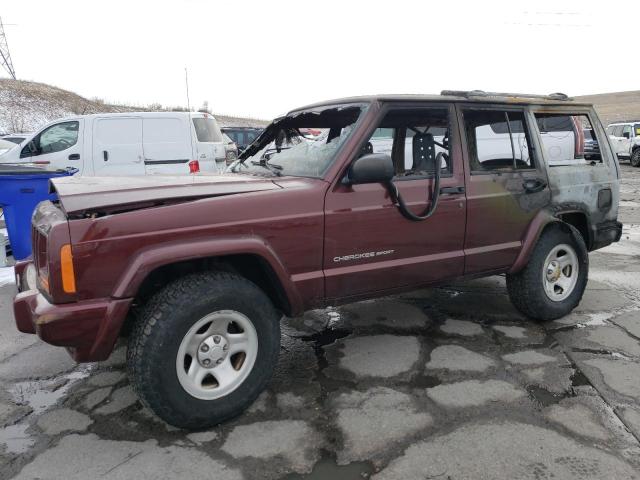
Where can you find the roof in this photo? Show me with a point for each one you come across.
(456, 96)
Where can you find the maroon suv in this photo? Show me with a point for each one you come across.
(395, 193)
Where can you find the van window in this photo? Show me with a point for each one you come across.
(207, 130)
(563, 138)
(497, 140)
(58, 137)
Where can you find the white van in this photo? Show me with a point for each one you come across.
(136, 143)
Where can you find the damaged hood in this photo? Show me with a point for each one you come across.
(87, 193)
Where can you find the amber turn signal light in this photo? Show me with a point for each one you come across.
(66, 268)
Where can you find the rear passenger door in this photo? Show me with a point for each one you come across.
(506, 185)
(117, 146)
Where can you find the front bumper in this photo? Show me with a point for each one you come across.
(88, 329)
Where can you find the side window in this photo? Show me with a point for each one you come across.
(415, 138)
(497, 140)
(563, 139)
(636, 129)
(617, 130)
(57, 137)
(609, 130)
(251, 136)
(626, 129)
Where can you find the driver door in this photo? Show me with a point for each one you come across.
(370, 246)
(59, 145)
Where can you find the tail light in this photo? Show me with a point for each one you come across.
(194, 166)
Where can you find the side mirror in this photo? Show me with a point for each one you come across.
(371, 168)
(626, 135)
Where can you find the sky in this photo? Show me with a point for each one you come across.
(263, 58)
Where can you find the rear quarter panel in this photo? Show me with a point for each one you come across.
(574, 188)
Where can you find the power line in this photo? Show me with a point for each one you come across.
(5, 56)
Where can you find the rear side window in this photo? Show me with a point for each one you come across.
(497, 140)
(563, 139)
(207, 130)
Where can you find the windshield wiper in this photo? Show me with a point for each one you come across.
(272, 167)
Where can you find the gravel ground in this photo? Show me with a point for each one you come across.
(447, 383)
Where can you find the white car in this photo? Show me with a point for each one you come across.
(16, 138)
(136, 143)
(625, 140)
(6, 145)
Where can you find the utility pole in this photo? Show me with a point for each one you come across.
(186, 81)
(5, 56)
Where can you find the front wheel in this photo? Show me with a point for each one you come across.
(635, 158)
(203, 349)
(554, 280)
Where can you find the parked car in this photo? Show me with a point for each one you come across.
(6, 145)
(201, 269)
(16, 137)
(242, 136)
(625, 138)
(230, 148)
(136, 143)
(591, 147)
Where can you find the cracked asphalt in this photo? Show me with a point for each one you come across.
(447, 383)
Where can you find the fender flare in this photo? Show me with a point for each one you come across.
(148, 260)
(542, 219)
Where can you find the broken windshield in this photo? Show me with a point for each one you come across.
(301, 144)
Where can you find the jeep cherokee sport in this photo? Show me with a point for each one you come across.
(396, 193)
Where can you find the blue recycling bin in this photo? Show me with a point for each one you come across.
(21, 189)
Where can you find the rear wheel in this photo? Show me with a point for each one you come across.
(554, 280)
(635, 158)
(203, 349)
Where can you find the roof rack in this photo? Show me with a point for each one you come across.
(482, 93)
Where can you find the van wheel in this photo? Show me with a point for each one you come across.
(554, 280)
(635, 158)
(203, 349)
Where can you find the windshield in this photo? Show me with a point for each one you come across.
(302, 144)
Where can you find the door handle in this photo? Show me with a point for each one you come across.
(105, 155)
(74, 156)
(533, 185)
(451, 190)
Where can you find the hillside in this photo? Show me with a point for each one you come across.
(615, 107)
(24, 106)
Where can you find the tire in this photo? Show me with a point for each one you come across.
(535, 291)
(635, 158)
(201, 307)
